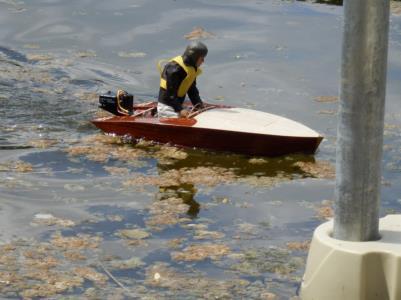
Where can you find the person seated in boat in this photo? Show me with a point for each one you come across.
(178, 78)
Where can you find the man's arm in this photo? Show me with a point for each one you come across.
(193, 94)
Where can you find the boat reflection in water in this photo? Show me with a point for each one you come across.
(251, 170)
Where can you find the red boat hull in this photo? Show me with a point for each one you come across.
(180, 132)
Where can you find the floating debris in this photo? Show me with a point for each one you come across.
(91, 274)
(326, 99)
(41, 261)
(39, 57)
(391, 130)
(50, 220)
(280, 48)
(16, 166)
(327, 112)
(98, 157)
(133, 234)
(395, 165)
(160, 275)
(31, 46)
(199, 33)
(127, 153)
(132, 263)
(200, 252)
(43, 143)
(395, 8)
(162, 181)
(166, 212)
(157, 276)
(16, 5)
(208, 235)
(45, 91)
(23, 167)
(209, 176)
(325, 210)
(224, 200)
(74, 256)
(391, 126)
(194, 285)
(145, 143)
(80, 241)
(265, 181)
(172, 204)
(79, 150)
(54, 285)
(107, 139)
(88, 53)
(246, 231)
(101, 148)
(175, 243)
(247, 228)
(257, 161)
(298, 246)
(320, 169)
(131, 54)
(35, 270)
(117, 170)
(268, 296)
(115, 218)
(195, 226)
(240, 56)
(74, 187)
(168, 152)
(273, 260)
(41, 77)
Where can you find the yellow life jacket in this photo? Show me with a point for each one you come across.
(188, 80)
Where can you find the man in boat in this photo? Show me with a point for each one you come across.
(178, 78)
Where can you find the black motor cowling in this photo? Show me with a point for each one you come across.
(119, 104)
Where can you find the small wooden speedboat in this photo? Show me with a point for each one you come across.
(214, 127)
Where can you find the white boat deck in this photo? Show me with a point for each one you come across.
(252, 121)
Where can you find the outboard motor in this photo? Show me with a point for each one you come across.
(120, 104)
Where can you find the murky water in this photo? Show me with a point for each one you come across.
(90, 215)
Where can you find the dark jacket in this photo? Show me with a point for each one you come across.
(174, 75)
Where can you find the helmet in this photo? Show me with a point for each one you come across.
(193, 51)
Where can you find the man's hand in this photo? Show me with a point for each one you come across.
(200, 106)
(184, 113)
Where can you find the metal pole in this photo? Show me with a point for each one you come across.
(361, 120)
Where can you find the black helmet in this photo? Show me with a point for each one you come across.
(193, 51)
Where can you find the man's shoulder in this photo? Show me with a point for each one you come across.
(173, 64)
(173, 67)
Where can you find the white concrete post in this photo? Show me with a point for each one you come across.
(361, 119)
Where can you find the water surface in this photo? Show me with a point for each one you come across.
(90, 215)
